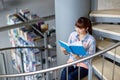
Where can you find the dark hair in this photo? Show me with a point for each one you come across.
(84, 22)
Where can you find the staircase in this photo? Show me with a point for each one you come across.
(106, 29)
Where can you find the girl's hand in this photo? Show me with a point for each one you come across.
(69, 61)
(64, 50)
(76, 56)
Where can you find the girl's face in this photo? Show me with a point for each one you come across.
(80, 30)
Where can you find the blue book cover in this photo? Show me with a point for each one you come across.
(65, 45)
(75, 48)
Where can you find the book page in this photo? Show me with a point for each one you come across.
(78, 43)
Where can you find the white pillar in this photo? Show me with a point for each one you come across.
(66, 13)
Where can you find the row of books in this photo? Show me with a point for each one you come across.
(41, 26)
(27, 35)
(28, 58)
(16, 61)
(24, 36)
(13, 19)
(26, 31)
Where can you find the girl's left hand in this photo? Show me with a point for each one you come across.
(76, 56)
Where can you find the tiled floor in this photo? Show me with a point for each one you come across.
(40, 7)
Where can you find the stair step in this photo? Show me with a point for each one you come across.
(107, 30)
(112, 13)
(102, 44)
(108, 69)
(93, 78)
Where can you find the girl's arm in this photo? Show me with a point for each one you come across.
(90, 50)
(64, 51)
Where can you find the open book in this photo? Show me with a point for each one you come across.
(75, 48)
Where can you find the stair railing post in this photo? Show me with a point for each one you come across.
(46, 54)
(79, 73)
(114, 64)
(90, 71)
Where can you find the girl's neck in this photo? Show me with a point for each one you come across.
(81, 36)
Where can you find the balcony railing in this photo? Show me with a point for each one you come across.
(17, 75)
(13, 66)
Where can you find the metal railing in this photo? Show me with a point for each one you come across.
(10, 72)
(14, 63)
(53, 69)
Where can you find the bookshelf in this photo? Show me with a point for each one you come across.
(29, 59)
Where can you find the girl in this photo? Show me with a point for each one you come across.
(83, 34)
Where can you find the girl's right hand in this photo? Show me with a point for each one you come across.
(64, 50)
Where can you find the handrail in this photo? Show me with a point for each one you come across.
(62, 66)
(41, 48)
(8, 27)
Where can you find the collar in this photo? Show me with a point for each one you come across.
(83, 37)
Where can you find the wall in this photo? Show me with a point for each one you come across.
(105, 4)
(108, 4)
(66, 16)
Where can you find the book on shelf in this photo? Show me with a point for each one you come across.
(31, 36)
(74, 48)
(24, 11)
(13, 19)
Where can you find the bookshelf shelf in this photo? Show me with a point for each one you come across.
(31, 35)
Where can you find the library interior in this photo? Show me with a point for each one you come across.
(33, 32)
